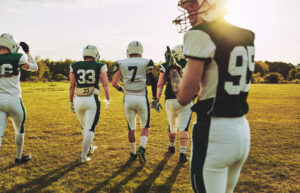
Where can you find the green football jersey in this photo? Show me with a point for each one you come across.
(228, 53)
(10, 67)
(87, 73)
(169, 94)
(10, 64)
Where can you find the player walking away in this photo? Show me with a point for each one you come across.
(220, 59)
(84, 83)
(178, 116)
(11, 103)
(134, 70)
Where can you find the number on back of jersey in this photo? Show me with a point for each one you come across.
(241, 63)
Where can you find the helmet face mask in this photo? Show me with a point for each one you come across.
(197, 11)
(135, 47)
(10, 42)
(91, 51)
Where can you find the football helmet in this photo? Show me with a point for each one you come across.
(135, 47)
(177, 52)
(10, 42)
(206, 10)
(91, 51)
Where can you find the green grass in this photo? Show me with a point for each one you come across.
(53, 139)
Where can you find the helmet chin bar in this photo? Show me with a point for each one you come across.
(182, 22)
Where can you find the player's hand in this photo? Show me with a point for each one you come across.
(107, 103)
(25, 47)
(72, 107)
(155, 104)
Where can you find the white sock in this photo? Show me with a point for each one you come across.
(144, 140)
(133, 147)
(86, 143)
(172, 144)
(183, 149)
(19, 139)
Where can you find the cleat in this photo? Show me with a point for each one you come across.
(141, 154)
(132, 157)
(84, 159)
(182, 158)
(171, 150)
(24, 159)
(92, 149)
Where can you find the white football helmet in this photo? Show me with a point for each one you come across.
(177, 52)
(91, 51)
(10, 42)
(135, 47)
(207, 10)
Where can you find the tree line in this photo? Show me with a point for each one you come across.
(265, 72)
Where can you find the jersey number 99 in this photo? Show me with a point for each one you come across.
(241, 61)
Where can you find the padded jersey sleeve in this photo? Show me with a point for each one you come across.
(116, 67)
(104, 68)
(198, 44)
(23, 60)
(71, 68)
(162, 67)
(150, 65)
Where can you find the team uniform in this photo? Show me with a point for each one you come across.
(11, 103)
(87, 108)
(134, 72)
(221, 135)
(179, 116)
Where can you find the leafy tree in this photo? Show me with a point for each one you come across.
(273, 77)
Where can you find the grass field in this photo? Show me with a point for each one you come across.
(53, 139)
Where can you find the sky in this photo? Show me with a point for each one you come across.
(60, 29)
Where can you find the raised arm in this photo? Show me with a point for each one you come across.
(31, 65)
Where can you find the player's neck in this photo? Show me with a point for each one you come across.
(4, 51)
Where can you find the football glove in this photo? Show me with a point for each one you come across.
(106, 103)
(24, 46)
(155, 104)
(72, 107)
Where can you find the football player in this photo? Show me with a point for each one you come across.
(178, 116)
(220, 59)
(135, 70)
(11, 104)
(84, 84)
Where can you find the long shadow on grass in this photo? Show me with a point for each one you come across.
(167, 186)
(44, 181)
(104, 183)
(147, 183)
(7, 168)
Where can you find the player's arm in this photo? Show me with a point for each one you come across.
(72, 86)
(186, 88)
(160, 84)
(152, 81)
(31, 65)
(104, 82)
(115, 81)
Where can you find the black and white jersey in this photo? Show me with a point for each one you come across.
(228, 52)
(134, 72)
